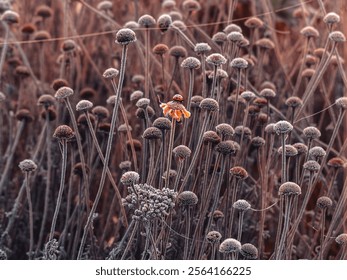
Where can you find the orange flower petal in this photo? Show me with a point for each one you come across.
(186, 113)
(166, 110)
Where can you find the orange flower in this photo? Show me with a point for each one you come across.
(175, 109)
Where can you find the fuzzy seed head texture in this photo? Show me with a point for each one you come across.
(221, 74)
(230, 245)
(311, 132)
(152, 133)
(316, 152)
(125, 36)
(137, 94)
(337, 162)
(249, 251)
(58, 83)
(164, 22)
(227, 147)
(265, 43)
(258, 141)
(301, 148)
(209, 104)
(248, 95)
(337, 36)
(191, 63)
(270, 128)
(130, 178)
(84, 105)
(125, 165)
(225, 129)
(290, 151)
(24, 115)
(289, 188)
(101, 112)
(195, 101)
(231, 28)
(309, 32)
(10, 17)
(162, 123)
(187, 198)
(239, 172)
(211, 137)
(104, 5)
(146, 21)
(63, 92)
(324, 202)
(242, 205)
(143, 103)
(219, 38)
(124, 128)
(43, 11)
(247, 132)
(213, 237)
(68, 45)
(191, 5)
(254, 22)
(63, 132)
(311, 165)
(267, 93)
(341, 239)
(178, 51)
(110, 73)
(182, 152)
(239, 63)
(283, 127)
(131, 25)
(27, 165)
(331, 18)
(235, 36)
(202, 48)
(341, 103)
(46, 100)
(216, 59)
(160, 49)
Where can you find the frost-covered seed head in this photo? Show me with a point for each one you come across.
(267, 93)
(341, 103)
(229, 245)
(137, 94)
(283, 127)
(209, 104)
(337, 36)
(213, 237)
(216, 59)
(219, 38)
(164, 22)
(202, 48)
(125, 36)
(289, 188)
(130, 178)
(254, 22)
(63, 132)
(316, 152)
(235, 36)
(248, 95)
(63, 92)
(341, 239)
(182, 152)
(191, 63)
(152, 133)
(331, 18)
(242, 205)
(324, 202)
(143, 103)
(125, 165)
(239, 63)
(187, 198)
(146, 21)
(110, 73)
(249, 251)
(309, 32)
(311, 132)
(27, 165)
(290, 151)
(84, 105)
(311, 165)
(231, 28)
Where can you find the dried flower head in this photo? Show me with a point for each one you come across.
(209, 104)
(230, 245)
(27, 165)
(24, 115)
(146, 21)
(182, 152)
(175, 109)
(164, 22)
(63, 132)
(178, 51)
(294, 102)
(110, 73)
(213, 237)
(143, 103)
(137, 94)
(341, 239)
(290, 151)
(191, 63)
(289, 188)
(283, 127)
(152, 133)
(235, 36)
(84, 105)
(242, 205)
(337, 36)
(316, 152)
(202, 48)
(239, 63)
(162, 123)
(258, 141)
(125, 36)
(254, 22)
(216, 59)
(324, 202)
(231, 28)
(125, 165)
(10, 17)
(311, 132)
(160, 49)
(219, 38)
(337, 162)
(341, 103)
(311, 165)
(130, 178)
(187, 198)
(46, 100)
(224, 129)
(249, 251)
(301, 148)
(239, 172)
(248, 95)
(63, 92)
(309, 32)
(101, 112)
(331, 18)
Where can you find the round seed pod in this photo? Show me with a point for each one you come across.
(176, 15)
(146, 21)
(290, 151)
(101, 112)
(267, 93)
(248, 95)
(125, 36)
(191, 63)
(235, 36)
(249, 251)
(43, 11)
(152, 133)
(131, 25)
(63, 92)
(125, 165)
(311, 165)
(130, 178)
(82, 119)
(10, 17)
(191, 6)
(309, 32)
(301, 148)
(162, 123)
(219, 38)
(308, 73)
(262, 119)
(217, 215)
(28, 28)
(213, 237)
(270, 128)
(226, 147)
(178, 51)
(225, 129)
(68, 46)
(59, 83)
(143, 103)
(247, 133)
(260, 102)
(27, 165)
(124, 128)
(324, 202)
(337, 36)
(202, 48)
(110, 73)
(160, 49)
(239, 63)
(258, 142)
(293, 102)
(239, 172)
(84, 105)
(216, 59)
(140, 113)
(46, 101)
(87, 93)
(243, 44)
(317, 152)
(195, 101)
(22, 71)
(311, 132)
(230, 245)
(254, 22)
(182, 152)
(179, 24)
(231, 28)
(242, 205)
(24, 115)
(209, 104)
(187, 198)
(211, 137)
(283, 127)
(337, 162)
(341, 239)
(289, 188)
(164, 22)
(265, 43)
(221, 74)
(63, 132)
(42, 35)
(137, 94)
(331, 18)
(341, 103)
(168, 4)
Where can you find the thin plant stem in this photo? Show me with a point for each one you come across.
(169, 152)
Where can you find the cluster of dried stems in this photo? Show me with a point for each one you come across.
(182, 130)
